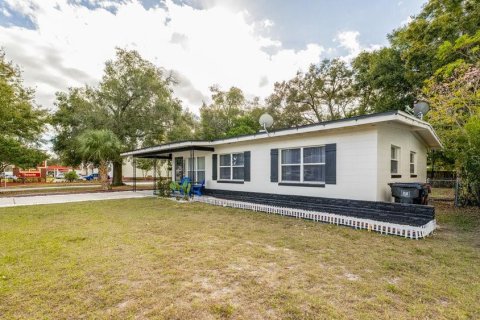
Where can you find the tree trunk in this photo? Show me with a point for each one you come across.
(117, 173)
(103, 172)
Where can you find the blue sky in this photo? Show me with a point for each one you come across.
(250, 44)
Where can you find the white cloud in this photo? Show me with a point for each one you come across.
(348, 40)
(213, 46)
(5, 12)
(267, 23)
(406, 21)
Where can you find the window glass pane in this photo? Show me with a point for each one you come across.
(200, 176)
(394, 166)
(412, 157)
(291, 156)
(238, 173)
(237, 159)
(314, 155)
(191, 175)
(201, 163)
(178, 169)
(314, 173)
(291, 173)
(412, 168)
(190, 165)
(394, 153)
(224, 160)
(225, 173)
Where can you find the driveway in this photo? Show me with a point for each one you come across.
(77, 197)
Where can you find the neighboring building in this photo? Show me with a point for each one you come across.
(352, 158)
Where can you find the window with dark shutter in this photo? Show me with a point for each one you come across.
(274, 165)
(331, 163)
(214, 167)
(246, 166)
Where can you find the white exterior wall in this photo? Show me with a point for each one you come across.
(356, 164)
(407, 140)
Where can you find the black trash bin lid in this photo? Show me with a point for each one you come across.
(416, 185)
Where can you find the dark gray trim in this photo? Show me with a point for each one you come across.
(401, 213)
(274, 165)
(246, 165)
(413, 176)
(297, 184)
(331, 163)
(214, 166)
(396, 176)
(154, 156)
(231, 181)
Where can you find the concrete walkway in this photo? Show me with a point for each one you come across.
(66, 198)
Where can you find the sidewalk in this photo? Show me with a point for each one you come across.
(53, 187)
(66, 198)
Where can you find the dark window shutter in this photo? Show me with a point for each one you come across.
(331, 163)
(246, 166)
(274, 165)
(214, 167)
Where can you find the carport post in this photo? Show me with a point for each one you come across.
(154, 175)
(192, 156)
(134, 163)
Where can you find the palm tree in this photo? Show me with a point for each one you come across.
(100, 147)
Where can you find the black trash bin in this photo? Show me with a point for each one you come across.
(414, 193)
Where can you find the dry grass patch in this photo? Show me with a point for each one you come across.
(153, 258)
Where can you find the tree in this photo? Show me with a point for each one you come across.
(380, 82)
(145, 165)
(100, 147)
(134, 100)
(77, 111)
(222, 117)
(454, 94)
(14, 152)
(419, 40)
(21, 121)
(393, 77)
(322, 93)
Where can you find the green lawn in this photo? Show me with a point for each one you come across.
(154, 258)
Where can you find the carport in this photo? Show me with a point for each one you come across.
(165, 152)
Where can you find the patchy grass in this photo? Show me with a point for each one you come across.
(444, 193)
(154, 258)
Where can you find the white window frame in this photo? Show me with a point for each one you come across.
(186, 166)
(414, 163)
(301, 164)
(231, 166)
(397, 159)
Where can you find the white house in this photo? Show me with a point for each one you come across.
(351, 159)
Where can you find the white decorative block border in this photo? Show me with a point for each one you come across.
(412, 232)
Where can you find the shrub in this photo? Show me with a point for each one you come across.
(71, 176)
(163, 188)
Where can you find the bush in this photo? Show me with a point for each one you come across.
(163, 188)
(71, 176)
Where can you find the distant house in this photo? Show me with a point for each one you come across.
(349, 159)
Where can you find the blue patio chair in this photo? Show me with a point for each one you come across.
(197, 188)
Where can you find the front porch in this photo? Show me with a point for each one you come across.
(187, 161)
